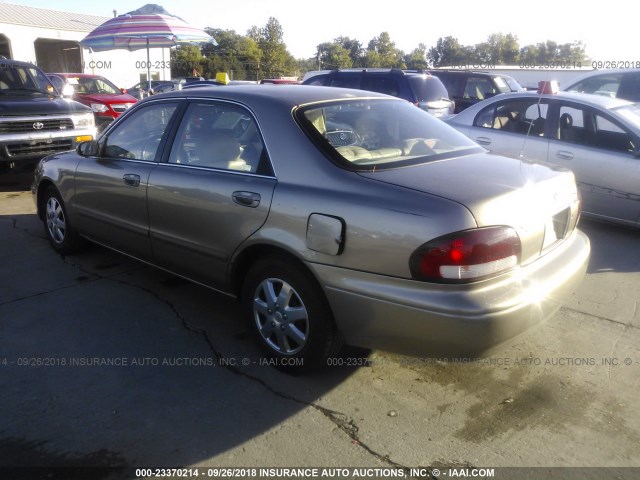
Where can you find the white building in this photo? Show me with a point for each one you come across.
(50, 39)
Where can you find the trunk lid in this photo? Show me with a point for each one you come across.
(539, 201)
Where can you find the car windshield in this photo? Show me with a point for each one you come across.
(93, 85)
(25, 80)
(631, 113)
(378, 133)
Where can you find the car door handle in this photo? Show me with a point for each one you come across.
(563, 154)
(131, 179)
(483, 141)
(246, 199)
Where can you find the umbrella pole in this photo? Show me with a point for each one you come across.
(148, 68)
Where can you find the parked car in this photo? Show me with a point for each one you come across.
(467, 87)
(280, 81)
(422, 244)
(597, 137)
(141, 89)
(105, 99)
(624, 84)
(421, 89)
(34, 120)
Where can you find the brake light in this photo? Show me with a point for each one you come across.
(467, 256)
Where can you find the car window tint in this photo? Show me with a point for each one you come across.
(610, 136)
(606, 85)
(479, 88)
(380, 84)
(345, 81)
(222, 136)
(138, 136)
(427, 88)
(630, 87)
(571, 126)
(526, 117)
(317, 80)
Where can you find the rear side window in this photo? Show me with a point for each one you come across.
(317, 80)
(221, 136)
(452, 81)
(345, 81)
(380, 84)
(427, 88)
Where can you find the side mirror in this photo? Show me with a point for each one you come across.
(88, 149)
(123, 90)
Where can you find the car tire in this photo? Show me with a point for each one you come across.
(61, 235)
(290, 315)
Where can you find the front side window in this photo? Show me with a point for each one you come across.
(139, 135)
(381, 133)
(526, 117)
(222, 136)
(587, 127)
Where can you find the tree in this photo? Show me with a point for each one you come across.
(417, 59)
(383, 52)
(447, 52)
(235, 54)
(276, 61)
(355, 49)
(499, 49)
(184, 60)
(333, 55)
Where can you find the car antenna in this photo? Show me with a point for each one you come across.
(544, 86)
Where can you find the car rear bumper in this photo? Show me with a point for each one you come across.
(426, 319)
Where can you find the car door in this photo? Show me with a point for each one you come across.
(212, 193)
(514, 127)
(602, 154)
(111, 189)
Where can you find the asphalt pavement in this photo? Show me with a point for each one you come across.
(105, 361)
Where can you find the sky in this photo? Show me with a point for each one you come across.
(609, 30)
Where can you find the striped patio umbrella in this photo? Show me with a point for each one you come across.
(150, 26)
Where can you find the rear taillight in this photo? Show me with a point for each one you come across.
(467, 256)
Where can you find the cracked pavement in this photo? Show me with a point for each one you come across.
(186, 385)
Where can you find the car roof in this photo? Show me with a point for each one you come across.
(598, 101)
(79, 75)
(19, 63)
(599, 73)
(290, 95)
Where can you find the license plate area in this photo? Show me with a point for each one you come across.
(556, 228)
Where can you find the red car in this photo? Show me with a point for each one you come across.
(105, 99)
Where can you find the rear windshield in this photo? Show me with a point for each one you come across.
(427, 88)
(370, 134)
(631, 113)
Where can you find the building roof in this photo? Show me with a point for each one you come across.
(44, 18)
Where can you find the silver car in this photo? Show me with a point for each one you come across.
(333, 215)
(595, 136)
